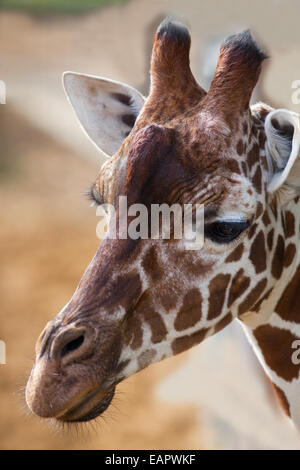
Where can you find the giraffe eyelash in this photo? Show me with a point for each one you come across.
(89, 194)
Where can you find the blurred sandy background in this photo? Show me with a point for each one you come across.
(214, 396)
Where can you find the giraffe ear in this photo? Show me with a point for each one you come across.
(282, 129)
(106, 109)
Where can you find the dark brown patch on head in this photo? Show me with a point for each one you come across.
(282, 400)
(245, 127)
(289, 224)
(223, 323)
(258, 253)
(185, 342)
(276, 347)
(147, 146)
(239, 285)
(190, 312)
(151, 265)
(278, 258)
(290, 254)
(236, 254)
(217, 292)
(252, 297)
(288, 305)
(270, 238)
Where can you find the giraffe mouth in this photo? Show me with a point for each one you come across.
(89, 407)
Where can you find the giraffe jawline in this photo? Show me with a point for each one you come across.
(80, 412)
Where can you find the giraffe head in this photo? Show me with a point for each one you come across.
(141, 300)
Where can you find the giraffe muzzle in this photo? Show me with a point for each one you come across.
(89, 407)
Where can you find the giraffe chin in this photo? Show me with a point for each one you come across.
(88, 407)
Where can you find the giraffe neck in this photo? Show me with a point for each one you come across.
(275, 329)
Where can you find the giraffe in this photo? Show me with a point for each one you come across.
(143, 300)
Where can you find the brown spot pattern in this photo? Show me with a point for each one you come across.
(239, 285)
(190, 312)
(258, 253)
(278, 258)
(276, 347)
(290, 254)
(288, 305)
(257, 306)
(252, 297)
(233, 166)
(185, 342)
(289, 225)
(257, 179)
(223, 323)
(253, 156)
(252, 231)
(168, 300)
(217, 291)
(236, 254)
(259, 210)
(270, 238)
(133, 334)
(158, 328)
(151, 266)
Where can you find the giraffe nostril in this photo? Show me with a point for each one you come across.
(72, 345)
(72, 342)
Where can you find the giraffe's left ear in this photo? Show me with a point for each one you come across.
(282, 129)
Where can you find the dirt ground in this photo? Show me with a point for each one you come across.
(47, 238)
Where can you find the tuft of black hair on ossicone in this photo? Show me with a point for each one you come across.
(243, 45)
(171, 29)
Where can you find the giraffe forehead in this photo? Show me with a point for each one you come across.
(189, 154)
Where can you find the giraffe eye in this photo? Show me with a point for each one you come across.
(225, 231)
